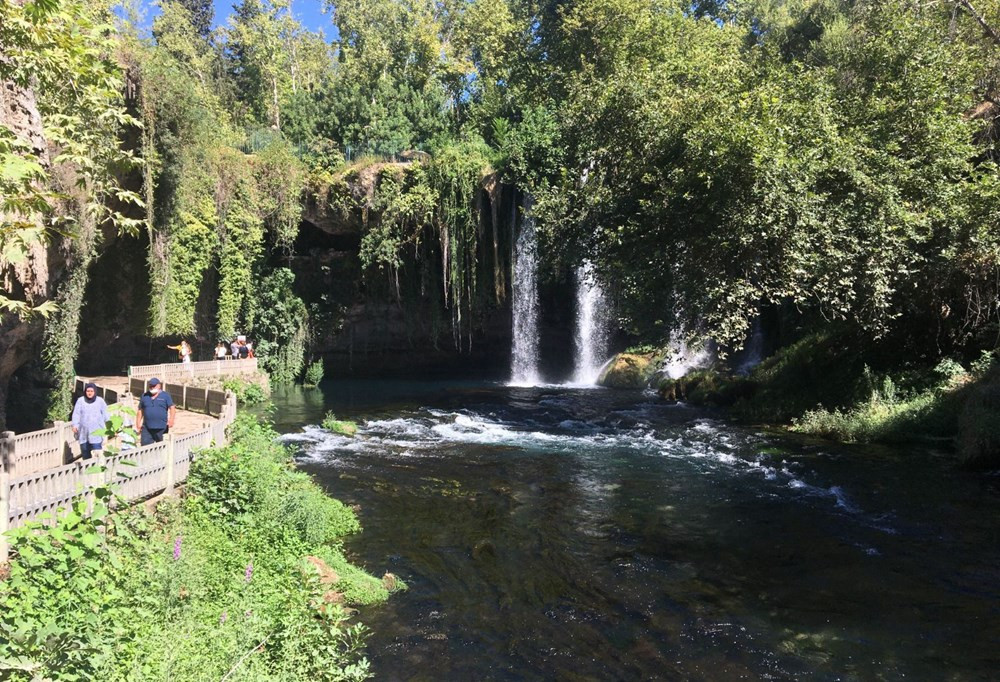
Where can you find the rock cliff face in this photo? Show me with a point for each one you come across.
(378, 323)
(29, 279)
(365, 322)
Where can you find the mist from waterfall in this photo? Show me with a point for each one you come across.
(681, 358)
(592, 329)
(524, 352)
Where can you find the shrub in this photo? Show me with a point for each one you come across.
(314, 373)
(892, 413)
(979, 426)
(213, 585)
(247, 392)
(343, 427)
(55, 605)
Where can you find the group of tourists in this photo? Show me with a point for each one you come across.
(154, 417)
(239, 349)
(155, 413)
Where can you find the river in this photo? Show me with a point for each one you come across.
(553, 533)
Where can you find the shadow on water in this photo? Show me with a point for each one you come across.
(553, 533)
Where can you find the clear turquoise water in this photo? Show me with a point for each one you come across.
(566, 534)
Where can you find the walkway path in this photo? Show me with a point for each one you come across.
(39, 474)
(186, 421)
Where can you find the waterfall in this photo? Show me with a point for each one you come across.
(591, 340)
(524, 353)
(753, 352)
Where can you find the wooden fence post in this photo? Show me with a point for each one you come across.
(6, 458)
(62, 429)
(168, 489)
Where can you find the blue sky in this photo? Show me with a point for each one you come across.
(308, 12)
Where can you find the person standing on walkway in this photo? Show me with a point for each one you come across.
(155, 415)
(183, 350)
(90, 414)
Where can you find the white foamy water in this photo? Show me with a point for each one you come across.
(681, 359)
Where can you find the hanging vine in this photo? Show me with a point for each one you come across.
(434, 203)
(62, 329)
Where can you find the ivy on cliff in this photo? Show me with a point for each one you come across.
(434, 203)
(216, 206)
(63, 188)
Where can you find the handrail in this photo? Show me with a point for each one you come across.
(174, 370)
(26, 494)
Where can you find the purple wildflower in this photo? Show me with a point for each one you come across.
(223, 617)
(177, 548)
(249, 572)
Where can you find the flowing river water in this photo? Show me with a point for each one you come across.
(551, 533)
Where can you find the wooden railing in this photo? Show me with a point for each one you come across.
(175, 371)
(186, 397)
(110, 395)
(27, 491)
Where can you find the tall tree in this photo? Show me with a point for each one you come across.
(202, 14)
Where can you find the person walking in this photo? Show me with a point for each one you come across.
(90, 414)
(155, 415)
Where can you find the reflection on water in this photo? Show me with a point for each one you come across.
(551, 533)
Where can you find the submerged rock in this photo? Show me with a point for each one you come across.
(628, 370)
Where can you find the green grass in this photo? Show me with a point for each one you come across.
(247, 392)
(822, 387)
(341, 426)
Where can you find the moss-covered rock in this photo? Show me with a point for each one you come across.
(706, 387)
(979, 427)
(628, 370)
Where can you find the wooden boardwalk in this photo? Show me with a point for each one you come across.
(187, 421)
(41, 471)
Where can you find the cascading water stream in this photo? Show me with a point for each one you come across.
(591, 340)
(753, 352)
(681, 359)
(524, 353)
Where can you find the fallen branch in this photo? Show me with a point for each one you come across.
(245, 657)
(990, 31)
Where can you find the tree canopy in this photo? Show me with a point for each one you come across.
(712, 159)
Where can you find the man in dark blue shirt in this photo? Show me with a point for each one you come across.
(156, 413)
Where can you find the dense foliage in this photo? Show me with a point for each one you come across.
(243, 576)
(713, 160)
(823, 157)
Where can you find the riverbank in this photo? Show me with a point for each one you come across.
(822, 386)
(243, 576)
